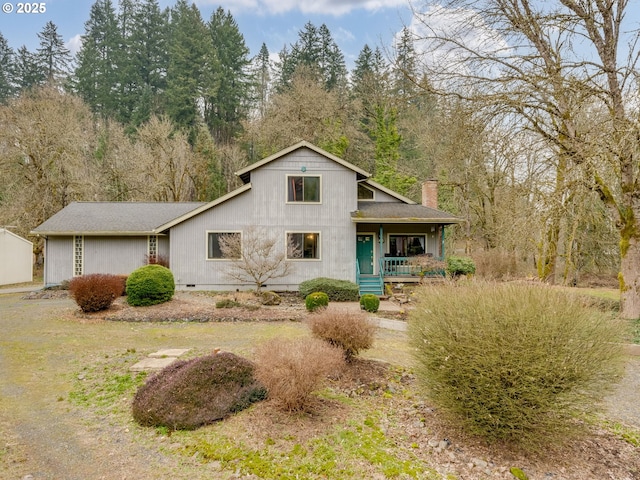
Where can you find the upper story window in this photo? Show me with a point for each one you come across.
(224, 245)
(303, 188)
(364, 193)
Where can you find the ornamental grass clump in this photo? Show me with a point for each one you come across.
(150, 285)
(292, 369)
(351, 332)
(514, 362)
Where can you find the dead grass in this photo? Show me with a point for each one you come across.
(371, 421)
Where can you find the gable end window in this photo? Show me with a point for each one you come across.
(303, 188)
(216, 241)
(303, 246)
(365, 193)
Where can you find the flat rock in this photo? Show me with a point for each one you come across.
(149, 363)
(169, 352)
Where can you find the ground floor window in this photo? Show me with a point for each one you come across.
(78, 255)
(303, 245)
(406, 245)
(224, 245)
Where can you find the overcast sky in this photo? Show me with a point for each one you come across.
(353, 23)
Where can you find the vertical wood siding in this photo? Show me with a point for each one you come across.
(265, 206)
(115, 255)
(58, 260)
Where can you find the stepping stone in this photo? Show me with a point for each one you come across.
(149, 363)
(169, 352)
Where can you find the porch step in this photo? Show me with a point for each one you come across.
(370, 284)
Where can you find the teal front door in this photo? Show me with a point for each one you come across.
(364, 253)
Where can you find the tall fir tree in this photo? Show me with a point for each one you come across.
(96, 76)
(54, 57)
(189, 78)
(227, 106)
(7, 71)
(405, 68)
(28, 73)
(262, 75)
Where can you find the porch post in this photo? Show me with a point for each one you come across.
(380, 250)
(442, 246)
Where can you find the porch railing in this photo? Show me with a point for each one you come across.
(408, 266)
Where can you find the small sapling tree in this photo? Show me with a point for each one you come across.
(256, 256)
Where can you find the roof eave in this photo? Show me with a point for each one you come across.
(54, 233)
(447, 221)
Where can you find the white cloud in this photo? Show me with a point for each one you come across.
(325, 7)
(74, 44)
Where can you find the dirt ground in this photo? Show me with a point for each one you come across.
(44, 343)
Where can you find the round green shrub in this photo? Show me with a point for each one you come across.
(458, 266)
(337, 290)
(514, 362)
(370, 302)
(150, 285)
(316, 300)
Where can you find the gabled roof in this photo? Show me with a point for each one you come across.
(388, 191)
(204, 207)
(107, 218)
(245, 173)
(392, 212)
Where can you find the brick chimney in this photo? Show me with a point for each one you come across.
(430, 193)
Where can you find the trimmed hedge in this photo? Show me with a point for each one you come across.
(458, 266)
(150, 285)
(189, 394)
(337, 290)
(316, 300)
(96, 291)
(370, 302)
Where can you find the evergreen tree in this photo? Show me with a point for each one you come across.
(7, 71)
(144, 60)
(261, 80)
(332, 64)
(405, 68)
(227, 106)
(96, 74)
(28, 73)
(188, 75)
(54, 57)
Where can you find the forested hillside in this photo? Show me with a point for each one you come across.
(164, 105)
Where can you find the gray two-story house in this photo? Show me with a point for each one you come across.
(330, 218)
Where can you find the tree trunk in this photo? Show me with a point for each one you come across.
(629, 275)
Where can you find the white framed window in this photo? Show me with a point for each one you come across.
(407, 245)
(78, 255)
(232, 239)
(304, 189)
(365, 194)
(303, 245)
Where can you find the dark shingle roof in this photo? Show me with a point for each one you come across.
(372, 212)
(125, 218)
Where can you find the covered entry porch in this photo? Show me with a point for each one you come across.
(393, 248)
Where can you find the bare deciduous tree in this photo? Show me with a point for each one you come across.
(256, 256)
(551, 65)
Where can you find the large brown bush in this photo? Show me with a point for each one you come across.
(351, 332)
(95, 292)
(189, 394)
(291, 369)
(514, 362)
